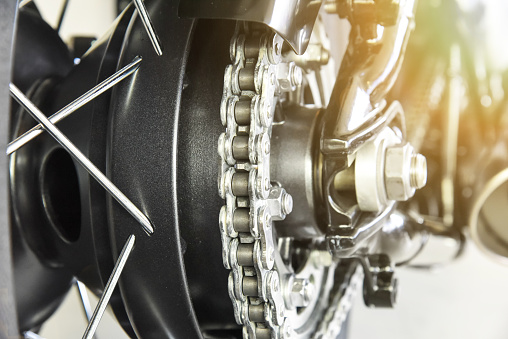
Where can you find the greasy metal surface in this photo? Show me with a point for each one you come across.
(8, 322)
(292, 19)
(141, 160)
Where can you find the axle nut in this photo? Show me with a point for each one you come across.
(405, 171)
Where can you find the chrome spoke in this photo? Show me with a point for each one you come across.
(23, 3)
(81, 158)
(31, 335)
(85, 301)
(76, 104)
(110, 286)
(145, 18)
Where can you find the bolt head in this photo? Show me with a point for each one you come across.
(279, 203)
(302, 291)
(289, 76)
(296, 76)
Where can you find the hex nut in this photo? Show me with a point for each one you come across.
(405, 171)
(301, 292)
(279, 202)
(289, 76)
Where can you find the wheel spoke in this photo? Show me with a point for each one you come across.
(85, 301)
(110, 286)
(81, 158)
(76, 104)
(23, 3)
(143, 13)
(31, 335)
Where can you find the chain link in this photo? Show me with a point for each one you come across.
(252, 84)
(247, 111)
(340, 305)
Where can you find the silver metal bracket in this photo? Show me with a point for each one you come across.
(292, 19)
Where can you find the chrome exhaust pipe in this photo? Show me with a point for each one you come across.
(488, 219)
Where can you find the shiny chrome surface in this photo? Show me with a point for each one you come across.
(31, 335)
(348, 144)
(370, 171)
(363, 118)
(367, 74)
(85, 301)
(451, 119)
(23, 3)
(401, 238)
(363, 229)
(341, 206)
(482, 178)
(110, 286)
(82, 159)
(489, 215)
(419, 241)
(150, 30)
(292, 19)
(76, 104)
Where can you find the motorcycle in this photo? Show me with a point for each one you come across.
(227, 169)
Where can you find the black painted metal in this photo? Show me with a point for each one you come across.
(41, 283)
(155, 135)
(197, 164)
(40, 286)
(88, 256)
(39, 53)
(142, 162)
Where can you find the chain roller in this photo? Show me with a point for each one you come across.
(251, 90)
(247, 110)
